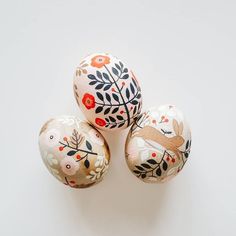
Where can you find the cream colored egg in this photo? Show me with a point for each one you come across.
(73, 151)
(158, 144)
(107, 92)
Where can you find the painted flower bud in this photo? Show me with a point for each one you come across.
(107, 92)
(73, 151)
(158, 144)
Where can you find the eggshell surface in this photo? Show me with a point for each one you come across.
(158, 144)
(73, 151)
(107, 92)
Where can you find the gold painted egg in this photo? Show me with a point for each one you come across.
(73, 151)
(158, 144)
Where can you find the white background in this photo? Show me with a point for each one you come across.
(183, 52)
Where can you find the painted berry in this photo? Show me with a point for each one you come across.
(154, 154)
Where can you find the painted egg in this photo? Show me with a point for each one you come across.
(73, 151)
(158, 144)
(107, 92)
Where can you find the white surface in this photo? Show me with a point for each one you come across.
(183, 52)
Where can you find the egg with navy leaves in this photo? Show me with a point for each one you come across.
(107, 92)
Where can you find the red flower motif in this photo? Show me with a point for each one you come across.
(99, 61)
(88, 100)
(100, 122)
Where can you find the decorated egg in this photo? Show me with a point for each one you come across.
(73, 151)
(158, 144)
(107, 92)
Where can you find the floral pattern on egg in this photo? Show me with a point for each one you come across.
(73, 151)
(107, 92)
(158, 144)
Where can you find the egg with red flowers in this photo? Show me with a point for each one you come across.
(107, 92)
(73, 151)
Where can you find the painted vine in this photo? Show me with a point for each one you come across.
(73, 147)
(152, 168)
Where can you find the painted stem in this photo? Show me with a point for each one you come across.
(125, 105)
(158, 165)
(77, 149)
(120, 104)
